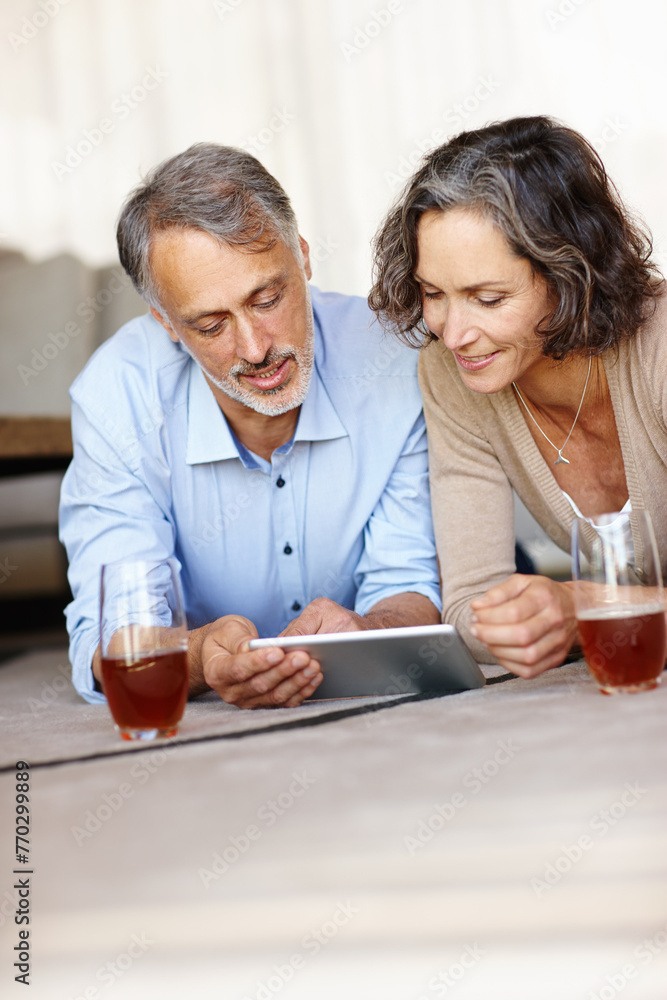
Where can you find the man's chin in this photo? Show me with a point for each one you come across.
(272, 404)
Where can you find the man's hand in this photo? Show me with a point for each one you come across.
(323, 615)
(527, 623)
(262, 678)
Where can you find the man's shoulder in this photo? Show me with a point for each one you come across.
(139, 359)
(352, 343)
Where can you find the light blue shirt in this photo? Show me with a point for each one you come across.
(341, 511)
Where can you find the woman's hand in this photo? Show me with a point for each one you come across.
(527, 623)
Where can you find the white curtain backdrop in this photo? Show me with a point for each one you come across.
(337, 97)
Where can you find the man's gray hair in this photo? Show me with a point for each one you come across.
(219, 190)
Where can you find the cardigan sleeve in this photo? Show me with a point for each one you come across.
(473, 510)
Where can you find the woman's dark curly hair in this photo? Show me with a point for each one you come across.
(546, 189)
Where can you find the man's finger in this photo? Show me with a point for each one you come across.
(287, 691)
(295, 690)
(309, 622)
(224, 669)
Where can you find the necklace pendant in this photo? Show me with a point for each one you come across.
(561, 461)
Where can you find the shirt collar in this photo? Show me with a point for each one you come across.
(210, 438)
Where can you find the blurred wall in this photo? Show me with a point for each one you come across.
(339, 98)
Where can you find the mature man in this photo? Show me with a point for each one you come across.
(273, 444)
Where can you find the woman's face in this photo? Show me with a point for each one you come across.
(481, 300)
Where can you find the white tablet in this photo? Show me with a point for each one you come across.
(414, 660)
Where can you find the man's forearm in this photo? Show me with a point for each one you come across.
(402, 610)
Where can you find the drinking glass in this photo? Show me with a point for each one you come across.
(619, 600)
(144, 644)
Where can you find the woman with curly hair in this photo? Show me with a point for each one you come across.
(510, 259)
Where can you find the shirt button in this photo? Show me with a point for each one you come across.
(296, 606)
(280, 482)
(288, 550)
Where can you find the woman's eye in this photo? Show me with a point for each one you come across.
(489, 303)
(432, 295)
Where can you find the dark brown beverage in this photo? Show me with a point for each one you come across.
(624, 648)
(147, 692)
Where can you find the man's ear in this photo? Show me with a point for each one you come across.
(165, 323)
(305, 250)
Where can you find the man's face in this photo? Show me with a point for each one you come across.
(244, 317)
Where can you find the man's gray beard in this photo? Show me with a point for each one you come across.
(269, 403)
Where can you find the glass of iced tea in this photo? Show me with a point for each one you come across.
(619, 600)
(144, 647)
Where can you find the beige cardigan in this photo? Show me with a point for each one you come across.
(480, 448)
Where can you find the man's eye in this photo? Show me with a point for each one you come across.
(209, 331)
(490, 303)
(267, 305)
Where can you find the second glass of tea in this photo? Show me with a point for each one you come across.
(619, 600)
(144, 647)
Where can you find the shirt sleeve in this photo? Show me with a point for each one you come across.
(399, 549)
(107, 512)
(473, 507)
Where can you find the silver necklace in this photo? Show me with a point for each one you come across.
(560, 460)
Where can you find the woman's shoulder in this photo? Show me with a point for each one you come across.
(648, 346)
(639, 366)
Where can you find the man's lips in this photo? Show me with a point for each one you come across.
(477, 363)
(270, 379)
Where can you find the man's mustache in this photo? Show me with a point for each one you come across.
(271, 358)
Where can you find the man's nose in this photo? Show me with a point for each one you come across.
(252, 343)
